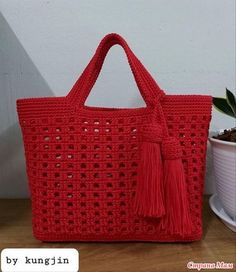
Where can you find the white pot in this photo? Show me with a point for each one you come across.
(224, 163)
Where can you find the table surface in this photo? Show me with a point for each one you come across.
(218, 244)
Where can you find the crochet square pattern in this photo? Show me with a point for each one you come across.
(82, 166)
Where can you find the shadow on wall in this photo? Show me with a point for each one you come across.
(19, 78)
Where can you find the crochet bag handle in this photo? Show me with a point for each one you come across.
(148, 87)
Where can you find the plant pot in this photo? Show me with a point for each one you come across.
(224, 164)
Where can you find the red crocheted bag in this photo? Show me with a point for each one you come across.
(105, 174)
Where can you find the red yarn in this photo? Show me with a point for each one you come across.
(177, 219)
(149, 190)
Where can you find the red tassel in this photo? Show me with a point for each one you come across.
(149, 190)
(177, 219)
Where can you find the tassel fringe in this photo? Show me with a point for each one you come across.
(178, 218)
(161, 190)
(149, 190)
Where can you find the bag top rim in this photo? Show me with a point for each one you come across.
(53, 106)
(63, 99)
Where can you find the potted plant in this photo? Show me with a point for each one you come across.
(224, 163)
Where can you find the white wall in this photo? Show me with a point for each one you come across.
(188, 46)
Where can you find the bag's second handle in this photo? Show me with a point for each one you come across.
(148, 87)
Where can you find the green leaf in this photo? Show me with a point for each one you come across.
(222, 106)
(231, 100)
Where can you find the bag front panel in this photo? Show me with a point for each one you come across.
(82, 170)
(83, 173)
